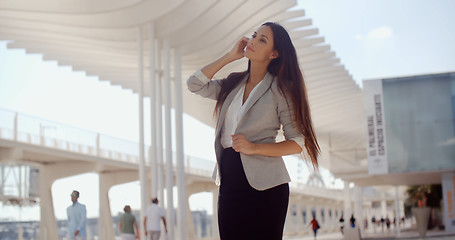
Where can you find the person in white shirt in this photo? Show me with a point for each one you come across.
(153, 215)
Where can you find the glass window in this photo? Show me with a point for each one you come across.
(420, 127)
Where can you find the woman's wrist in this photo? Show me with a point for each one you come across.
(228, 58)
(256, 148)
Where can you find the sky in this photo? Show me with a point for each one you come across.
(373, 39)
(387, 38)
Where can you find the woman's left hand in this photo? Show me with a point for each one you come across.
(241, 144)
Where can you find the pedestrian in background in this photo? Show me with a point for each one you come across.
(77, 218)
(153, 215)
(127, 225)
(315, 226)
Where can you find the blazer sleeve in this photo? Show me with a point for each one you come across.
(287, 120)
(201, 85)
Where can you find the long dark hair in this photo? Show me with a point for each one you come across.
(290, 83)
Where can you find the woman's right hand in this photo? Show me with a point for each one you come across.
(238, 51)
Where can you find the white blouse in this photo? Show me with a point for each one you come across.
(234, 114)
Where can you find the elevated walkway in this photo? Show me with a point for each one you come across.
(57, 150)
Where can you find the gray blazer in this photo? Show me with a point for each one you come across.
(266, 111)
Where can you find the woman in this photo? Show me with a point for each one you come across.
(251, 107)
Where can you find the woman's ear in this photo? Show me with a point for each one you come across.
(275, 54)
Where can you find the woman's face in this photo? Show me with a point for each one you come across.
(260, 46)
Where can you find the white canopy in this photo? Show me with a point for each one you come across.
(100, 38)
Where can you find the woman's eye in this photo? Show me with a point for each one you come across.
(262, 40)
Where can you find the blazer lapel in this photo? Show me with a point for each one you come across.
(261, 89)
(222, 113)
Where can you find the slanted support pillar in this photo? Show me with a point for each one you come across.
(48, 223)
(190, 234)
(105, 223)
(196, 187)
(47, 176)
(106, 181)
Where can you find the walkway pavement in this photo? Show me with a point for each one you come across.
(409, 234)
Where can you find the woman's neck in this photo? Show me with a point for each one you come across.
(257, 72)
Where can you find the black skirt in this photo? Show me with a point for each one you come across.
(244, 212)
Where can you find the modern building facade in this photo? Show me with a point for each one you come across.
(411, 132)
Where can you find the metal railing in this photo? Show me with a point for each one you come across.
(48, 134)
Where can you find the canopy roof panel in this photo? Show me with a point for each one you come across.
(100, 38)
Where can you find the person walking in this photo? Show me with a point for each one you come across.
(127, 225)
(77, 218)
(153, 215)
(352, 220)
(251, 107)
(341, 221)
(315, 226)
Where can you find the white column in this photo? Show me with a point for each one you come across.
(304, 208)
(289, 226)
(153, 108)
(167, 117)
(397, 212)
(159, 125)
(318, 216)
(383, 205)
(299, 222)
(142, 176)
(401, 203)
(330, 216)
(358, 213)
(294, 211)
(347, 201)
(181, 183)
(383, 209)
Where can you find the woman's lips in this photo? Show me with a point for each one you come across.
(249, 48)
